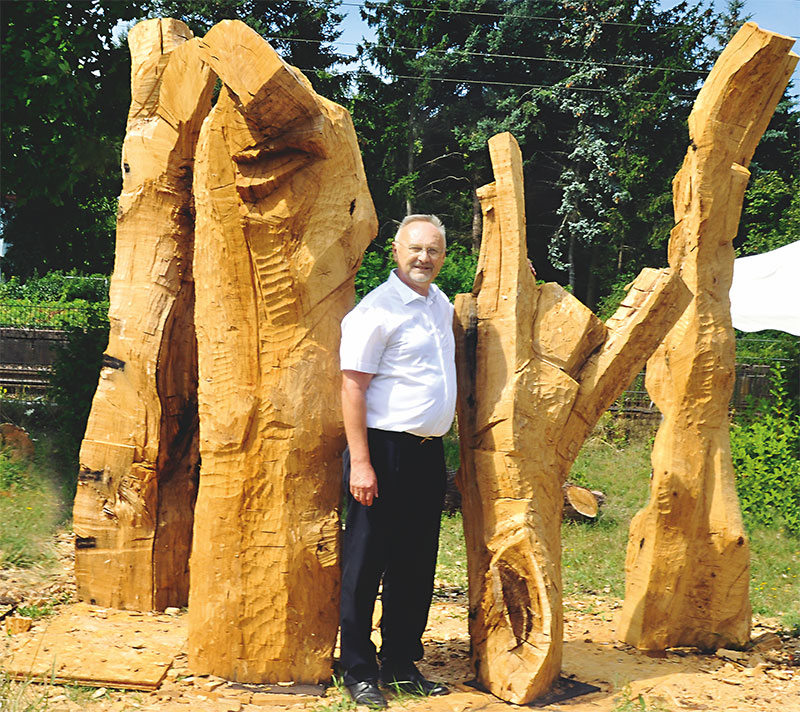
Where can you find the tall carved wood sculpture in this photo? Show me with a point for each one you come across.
(688, 558)
(137, 480)
(283, 217)
(536, 370)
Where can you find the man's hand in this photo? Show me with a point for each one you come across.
(363, 483)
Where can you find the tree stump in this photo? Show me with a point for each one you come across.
(138, 460)
(536, 370)
(283, 218)
(581, 503)
(688, 558)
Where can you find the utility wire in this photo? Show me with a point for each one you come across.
(489, 83)
(478, 13)
(501, 56)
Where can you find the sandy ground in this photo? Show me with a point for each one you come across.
(766, 678)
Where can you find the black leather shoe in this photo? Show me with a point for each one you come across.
(367, 693)
(411, 681)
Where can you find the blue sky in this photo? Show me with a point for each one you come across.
(782, 16)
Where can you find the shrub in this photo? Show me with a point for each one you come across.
(765, 450)
(27, 313)
(56, 287)
(73, 383)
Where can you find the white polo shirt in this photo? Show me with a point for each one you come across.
(406, 341)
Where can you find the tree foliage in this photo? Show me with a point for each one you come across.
(64, 95)
(303, 33)
(771, 211)
(597, 93)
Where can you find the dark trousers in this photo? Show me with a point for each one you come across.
(396, 540)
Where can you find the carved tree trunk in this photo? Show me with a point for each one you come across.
(137, 480)
(688, 558)
(283, 217)
(536, 370)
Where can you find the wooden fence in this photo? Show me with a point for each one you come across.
(26, 358)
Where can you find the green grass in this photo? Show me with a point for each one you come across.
(31, 508)
(616, 460)
(22, 695)
(451, 566)
(336, 699)
(629, 703)
(775, 575)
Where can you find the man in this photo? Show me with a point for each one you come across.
(398, 399)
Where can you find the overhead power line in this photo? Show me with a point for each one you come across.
(482, 82)
(501, 56)
(478, 13)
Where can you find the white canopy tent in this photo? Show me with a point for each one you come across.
(765, 292)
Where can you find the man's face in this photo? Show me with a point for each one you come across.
(419, 253)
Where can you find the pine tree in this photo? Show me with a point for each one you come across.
(596, 92)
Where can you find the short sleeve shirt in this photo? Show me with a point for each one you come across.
(406, 341)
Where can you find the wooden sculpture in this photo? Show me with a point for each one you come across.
(137, 479)
(688, 557)
(283, 217)
(536, 370)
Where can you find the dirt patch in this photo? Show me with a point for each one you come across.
(681, 680)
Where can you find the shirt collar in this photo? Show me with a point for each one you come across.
(407, 294)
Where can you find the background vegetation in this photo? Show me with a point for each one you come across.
(616, 461)
(597, 92)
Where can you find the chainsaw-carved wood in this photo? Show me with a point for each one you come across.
(687, 567)
(283, 218)
(536, 369)
(138, 460)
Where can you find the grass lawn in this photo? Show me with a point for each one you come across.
(31, 507)
(616, 461)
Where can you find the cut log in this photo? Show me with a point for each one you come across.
(687, 567)
(138, 460)
(581, 502)
(283, 218)
(536, 370)
(17, 440)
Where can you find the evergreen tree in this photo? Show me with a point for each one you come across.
(596, 92)
(771, 209)
(632, 74)
(732, 17)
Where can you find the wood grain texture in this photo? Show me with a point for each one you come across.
(138, 460)
(88, 645)
(283, 217)
(536, 370)
(687, 568)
